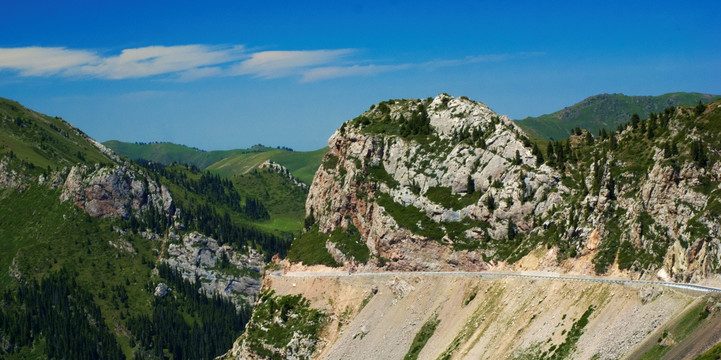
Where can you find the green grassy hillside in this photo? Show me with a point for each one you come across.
(74, 286)
(302, 164)
(41, 236)
(166, 153)
(43, 141)
(103, 272)
(284, 200)
(604, 111)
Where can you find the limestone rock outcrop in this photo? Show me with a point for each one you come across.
(445, 183)
(221, 269)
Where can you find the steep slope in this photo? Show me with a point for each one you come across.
(604, 111)
(167, 153)
(104, 258)
(444, 183)
(42, 141)
(414, 177)
(441, 316)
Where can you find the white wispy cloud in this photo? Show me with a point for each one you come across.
(274, 64)
(191, 62)
(130, 63)
(42, 61)
(156, 60)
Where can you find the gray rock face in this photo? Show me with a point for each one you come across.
(9, 178)
(114, 191)
(336, 201)
(161, 290)
(219, 268)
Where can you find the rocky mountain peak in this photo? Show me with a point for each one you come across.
(442, 174)
(445, 183)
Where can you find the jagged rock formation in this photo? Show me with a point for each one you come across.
(345, 192)
(445, 183)
(220, 268)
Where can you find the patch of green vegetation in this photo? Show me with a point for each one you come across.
(514, 250)
(411, 218)
(697, 229)
(415, 220)
(486, 313)
(569, 345)
(679, 331)
(365, 301)
(349, 242)
(378, 173)
(626, 255)
(470, 296)
(277, 319)
(284, 200)
(422, 337)
(310, 249)
(713, 353)
(656, 352)
(608, 248)
(330, 162)
(689, 322)
(410, 120)
(442, 195)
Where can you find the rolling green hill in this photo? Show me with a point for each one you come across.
(302, 164)
(604, 111)
(166, 153)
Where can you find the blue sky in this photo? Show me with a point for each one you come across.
(231, 74)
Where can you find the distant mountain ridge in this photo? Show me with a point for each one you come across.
(226, 163)
(605, 111)
(167, 152)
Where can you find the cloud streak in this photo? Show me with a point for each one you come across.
(332, 72)
(157, 60)
(274, 64)
(43, 61)
(192, 62)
